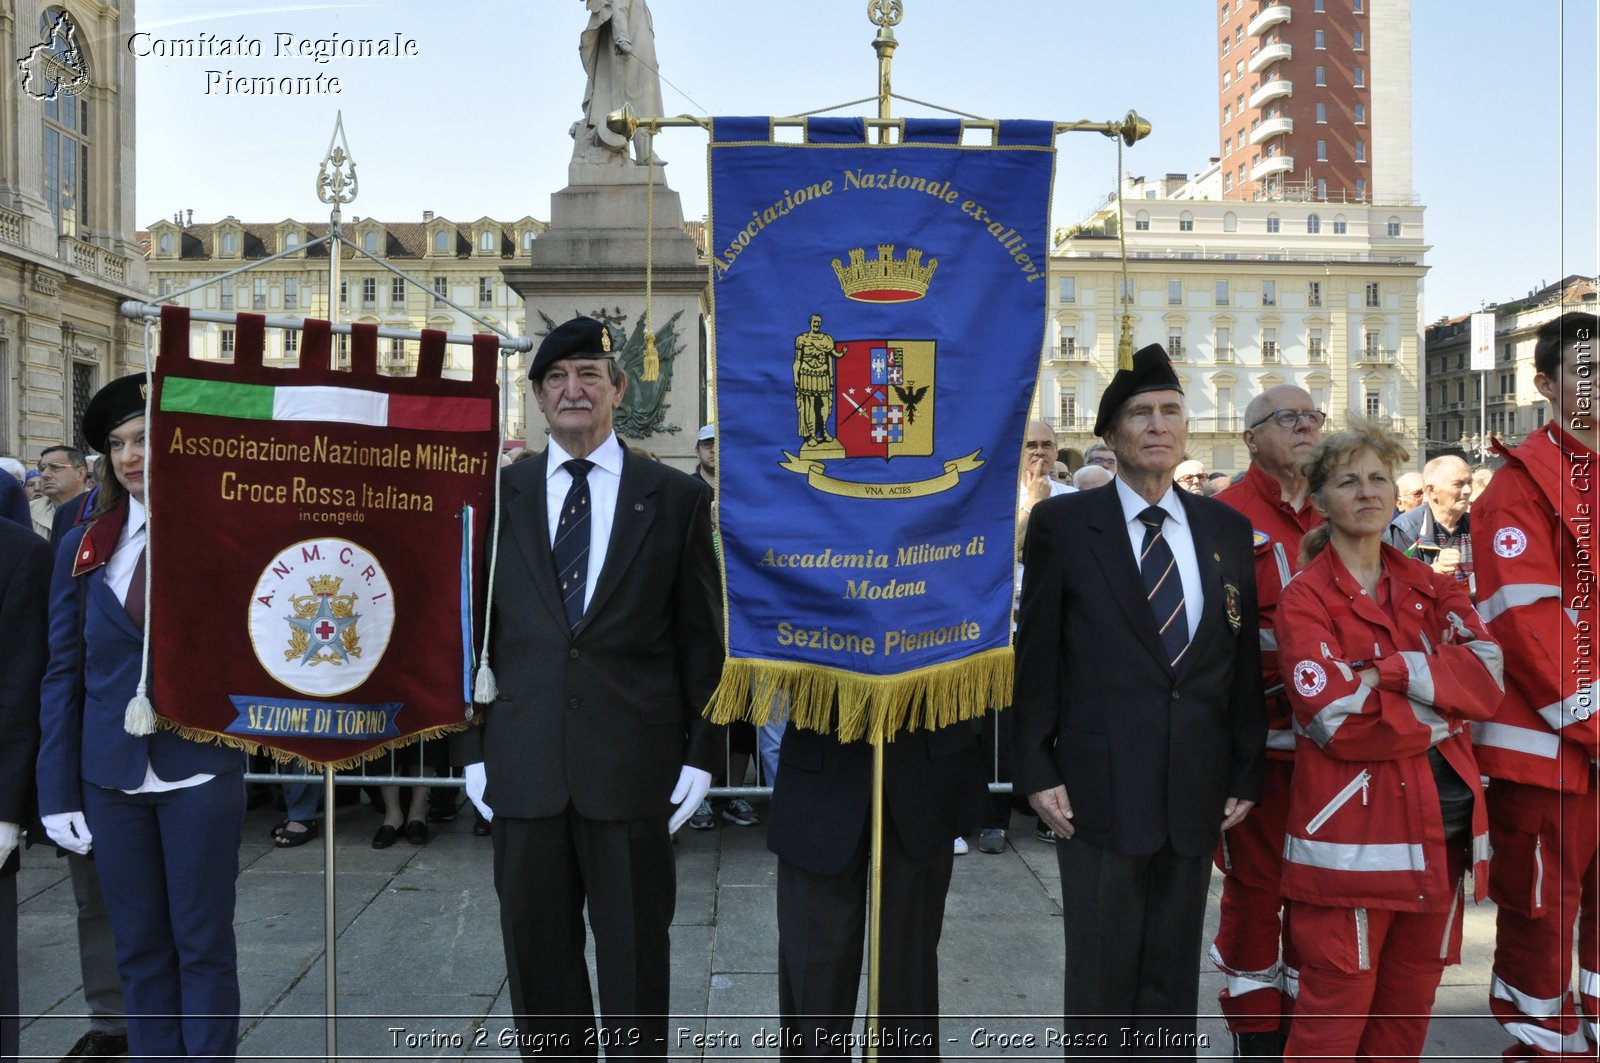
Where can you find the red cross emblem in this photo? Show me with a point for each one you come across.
(1510, 542)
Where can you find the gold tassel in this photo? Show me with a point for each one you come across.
(139, 718)
(652, 358)
(856, 706)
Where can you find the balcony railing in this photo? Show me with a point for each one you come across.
(1267, 18)
(1377, 356)
(1268, 167)
(1229, 424)
(1071, 354)
(1224, 355)
(1272, 53)
(1272, 127)
(10, 226)
(1270, 91)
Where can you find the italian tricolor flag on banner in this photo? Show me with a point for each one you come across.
(316, 539)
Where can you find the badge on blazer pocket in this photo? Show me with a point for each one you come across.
(1230, 601)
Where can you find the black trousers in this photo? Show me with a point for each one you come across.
(545, 870)
(821, 936)
(1133, 928)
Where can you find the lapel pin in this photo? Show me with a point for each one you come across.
(1216, 557)
(638, 507)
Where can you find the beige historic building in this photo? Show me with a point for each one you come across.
(458, 261)
(1243, 295)
(1455, 397)
(68, 254)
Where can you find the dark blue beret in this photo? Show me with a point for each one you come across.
(582, 337)
(1152, 371)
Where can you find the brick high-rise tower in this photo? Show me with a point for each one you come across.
(1315, 99)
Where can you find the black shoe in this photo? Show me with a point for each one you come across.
(97, 1044)
(442, 804)
(992, 840)
(385, 836)
(1045, 834)
(1250, 1046)
(417, 832)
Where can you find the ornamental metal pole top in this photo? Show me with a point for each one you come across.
(336, 177)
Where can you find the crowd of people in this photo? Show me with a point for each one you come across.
(1302, 675)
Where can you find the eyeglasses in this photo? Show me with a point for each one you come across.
(53, 466)
(1104, 461)
(1290, 418)
(1193, 478)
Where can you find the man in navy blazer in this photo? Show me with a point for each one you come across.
(606, 637)
(1139, 722)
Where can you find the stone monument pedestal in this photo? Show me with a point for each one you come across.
(591, 261)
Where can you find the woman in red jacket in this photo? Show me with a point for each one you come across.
(1384, 663)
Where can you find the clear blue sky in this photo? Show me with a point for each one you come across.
(476, 124)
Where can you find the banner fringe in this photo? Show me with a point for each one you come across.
(284, 756)
(856, 706)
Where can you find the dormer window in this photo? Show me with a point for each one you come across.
(230, 243)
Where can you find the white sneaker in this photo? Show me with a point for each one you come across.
(961, 847)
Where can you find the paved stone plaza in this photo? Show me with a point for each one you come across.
(420, 968)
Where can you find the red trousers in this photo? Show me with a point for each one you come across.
(1368, 977)
(1260, 988)
(1545, 877)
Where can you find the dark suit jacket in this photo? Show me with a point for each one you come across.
(933, 785)
(1146, 754)
(24, 613)
(604, 715)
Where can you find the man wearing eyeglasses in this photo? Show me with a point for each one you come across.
(1283, 425)
(1103, 456)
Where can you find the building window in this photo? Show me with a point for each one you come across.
(1224, 406)
(1227, 78)
(1141, 221)
(1358, 6)
(229, 244)
(1174, 292)
(1320, 41)
(1186, 222)
(1373, 406)
(1322, 114)
(291, 341)
(344, 291)
(1322, 188)
(1373, 294)
(227, 343)
(1224, 12)
(397, 293)
(369, 292)
(1269, 345)
(1069, 410)
(291, 241)
(1068, 289)
(1361, 189)
(1314, 348)
(1223, 349)
(441, 242)
(1322, 151)
(1371, 345)
(1227, 42)
(291, 293)
(1357, 41)
(1461, 391)
(1360, 112)
(1175, 346)
(369, 243)
(1230, 221)
(1313, 293)
(1393, 227)
(227, 294)
(486, 240)
(441, 290)
(1361, 151)
(1269, 293)
(485, 291)
(258, 296)
(164, 289)
(1222, 293)
(1227, 113)
(1227, 182)
(342, 349)
(1321, 79)
(1359, 77)
(166, 243)
(1319, 6)
(1340, 226)
(1069, 341)
(527, 239)
(1313, 223)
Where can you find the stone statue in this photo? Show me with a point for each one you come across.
(618, 49)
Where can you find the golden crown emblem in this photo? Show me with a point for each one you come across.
(885, 279)
(325, 585)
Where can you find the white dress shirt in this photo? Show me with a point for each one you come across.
(119, 577)
(1180, 538)
(605, 479)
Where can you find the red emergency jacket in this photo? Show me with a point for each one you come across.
(1278, 531)
(1364, 827)
(1536, 591)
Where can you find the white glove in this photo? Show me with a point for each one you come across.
(693, 785)
(69, 830)
(476, 781)
(9, 833)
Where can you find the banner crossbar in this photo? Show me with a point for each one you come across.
(132, 308)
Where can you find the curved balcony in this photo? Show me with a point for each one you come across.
(1267, 18)
(1268, 167)
(1272, 53)
(1272, 127)
(1272, 90)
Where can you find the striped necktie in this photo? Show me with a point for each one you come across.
(571, 546)
(1163, 587)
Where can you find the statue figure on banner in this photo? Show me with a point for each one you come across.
(814, 357)
(618, 49)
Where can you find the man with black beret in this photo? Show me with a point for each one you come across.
(606, 637)
(1139, 766)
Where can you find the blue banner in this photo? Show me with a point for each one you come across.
(879, 313)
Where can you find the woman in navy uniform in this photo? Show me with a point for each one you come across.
(161, 814)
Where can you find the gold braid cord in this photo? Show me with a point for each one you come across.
(652, 357)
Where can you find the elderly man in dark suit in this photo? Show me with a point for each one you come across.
(1140, 725)
(24, 615)
(606, 636)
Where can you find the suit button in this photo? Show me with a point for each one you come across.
(573, 653)
(572, 703)
(1174, 695)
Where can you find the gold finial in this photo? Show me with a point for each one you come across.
(625, 121)
(884, 13)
